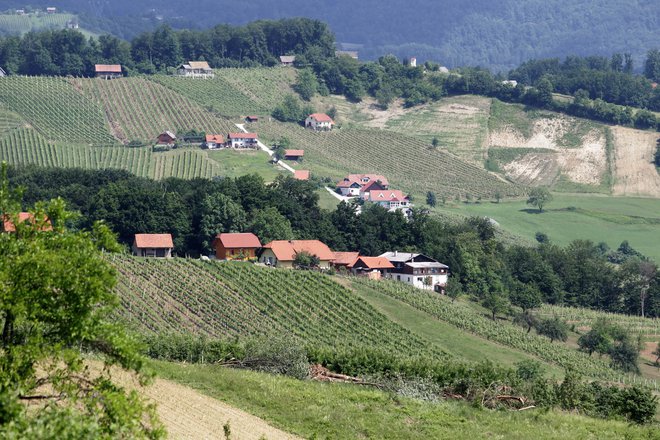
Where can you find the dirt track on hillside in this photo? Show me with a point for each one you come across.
(188, 414)
(634, 172)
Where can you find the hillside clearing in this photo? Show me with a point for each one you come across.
(634, 171)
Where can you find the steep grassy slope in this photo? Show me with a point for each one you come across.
(240, 299)
(338, 411)
(14, 24)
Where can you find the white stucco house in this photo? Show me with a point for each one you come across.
(417, 270)
(319, 121)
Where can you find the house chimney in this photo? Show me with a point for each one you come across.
(395, 252)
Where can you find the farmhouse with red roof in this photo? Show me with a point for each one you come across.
(390, 199)
(213, 141)
(108, 71)
(353, 184)
(153, 245)
(236, 246)
(319, 121)
(242, 140)
(282, 253)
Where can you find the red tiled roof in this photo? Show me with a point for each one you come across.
(111, 68)
(217, 138)
(301, 174)
(345, 258)
(286, 250)
(252, 117)
(387, 195)
(348, 183)
(9, 226)
(294, 152)
(238, 240)
(374, 263)
(321, 117)
(371, 177)
(369, 186)
(242, 135)
(154, 241)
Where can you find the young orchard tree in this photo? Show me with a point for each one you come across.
(553, 328)
(56, 296)
(539, 197)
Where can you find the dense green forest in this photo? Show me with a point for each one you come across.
(582, 274)
(498, 34)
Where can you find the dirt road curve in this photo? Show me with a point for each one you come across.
(187, 414)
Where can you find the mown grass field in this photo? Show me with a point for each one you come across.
(577, 216)
(336, 411)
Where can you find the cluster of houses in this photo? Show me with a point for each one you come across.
(415, 269)
(375, 188)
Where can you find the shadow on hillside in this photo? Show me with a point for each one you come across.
(532, 211)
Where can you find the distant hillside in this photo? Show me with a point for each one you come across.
(16, 24)
(499, 34)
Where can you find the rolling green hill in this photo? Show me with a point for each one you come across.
(15, 24)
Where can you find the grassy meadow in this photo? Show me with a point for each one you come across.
(576, 216)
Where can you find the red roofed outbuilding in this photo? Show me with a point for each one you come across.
(236, 246)
(282, 253)
(372, 267)
(7, 224)
(319, 121)
(345, 259)
(293, 154)
(153, 245)
(214, 141)
(108, 71)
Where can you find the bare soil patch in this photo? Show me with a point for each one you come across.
(635, 173)
(533, 169)
(379, 117)
(588, 164)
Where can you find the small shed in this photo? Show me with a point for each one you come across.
(287, 60)
(294, 154)
(153, 245)
(51, 10)
(372, 267)
(108, 71)
(236, 246)
(252, 118)
(166, 138)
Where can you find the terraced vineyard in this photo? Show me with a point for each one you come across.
(469, 320)
(20, 24)
(139, 109)
(240, 299)
(25, 146)
(408, 163)
(55, 109)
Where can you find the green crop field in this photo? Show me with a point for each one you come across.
(577, 216)
(408, 163)
(19, 24)
(240, 299)
(139, 109)
(56, 109)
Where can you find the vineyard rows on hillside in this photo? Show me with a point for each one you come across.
(54, 108)
(18, 24)
(221, 299)
(9, 120)
(266, 86)
(216, 94)
(467, 319)
(139, 109)
(25, 146)
(408, 163)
